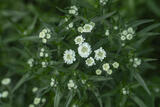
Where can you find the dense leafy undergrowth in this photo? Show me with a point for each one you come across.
(87, 55)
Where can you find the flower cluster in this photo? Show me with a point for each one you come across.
(30, 62)
(86, 28)
(5, 82)
(71, 85)
(100, 54)
(107, 32)
(136, 62)
(53, 82)
(103, 2)
(43, 53)
(79, 40)
(125, 91)
(90, 61)
(127, 34)
(45, 35)
(73, 10)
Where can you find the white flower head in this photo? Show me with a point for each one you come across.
(130, 30)
(98, 72)
(124, 32)
(107, 33)
(35, 89)
(87, 28)
(129, 36)
(73, 10)
(71, 85)
(31, 105)
(37, 100)
(43, 100)
(109, 71)
(90, 61)
(79, 40)
(115, 65)
(84, 50)
(6, 81)
(30, 62)
(80, 29)
(44, 64)
(106, 66)
(100, 54)
(69, 56)
(5, 94)
(123, 38)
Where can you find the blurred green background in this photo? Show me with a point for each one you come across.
(22, 18)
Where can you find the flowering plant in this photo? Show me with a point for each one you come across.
(90, 58)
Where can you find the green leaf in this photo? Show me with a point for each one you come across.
(141, 82)
(96, 93)
(21, 81)
(139, 102)
(69, 98)
(99, 78)
(149, 28)
(140, 22)
(97, 19)
(57, 98)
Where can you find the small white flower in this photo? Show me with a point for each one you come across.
(80, 29)
(115, 65)
(73, 10)
(5, 94)
(87, 28)
(43, 100)
(98, 72)
(115, 27)
(125, 91)
(44, 64)
(37, 100)
(123, 38)
(30, 62)
(83, 81)
(79, 40)
(129, 36)
(130, 30)
(42, 49)
(31, 105)
(69, 56)
(46, 55)
(106, 66)
(100, 54)
(107, 33)
(71, 85)
(70, 25)
(35, 89)
(109, 71)
(6, 81)
(53, 82)
(44, 40)
(41, 54)
(48, 36)
(90, 61)
(124, 32)
(84, 50)
(92, 23)
(41, 35)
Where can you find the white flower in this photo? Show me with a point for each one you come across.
(42, 49)
(31, 105)
(53, 82)
(84, 50)
(71, 85)
(124, 32)
(103, 2)
(98, 72)
(69, 56)
(44, 40)
(37, 100)
(92, 23)
(87, 28)
(35, 89)
(73, 10)
(125, 91)
(79, 40)
(129, 36)
(115, 27)
(107, 33)
(90, 61)
(41, 54)
(123, 38)
(100, 54)
(70, 25)
(43, 100)
(41, 35)
(6, 81)
(115, 65)
(130, 30)
(4, 94)
(30, 62)
(80, 29)
(109, 71)
(136, 62)
(44, 64)
(48, 36)
(106, 66)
